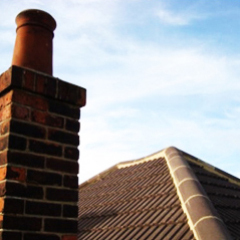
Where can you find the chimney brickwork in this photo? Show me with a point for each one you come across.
(39, 125)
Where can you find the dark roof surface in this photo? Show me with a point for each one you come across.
(224, 195)
(127, 204)
(156, 198)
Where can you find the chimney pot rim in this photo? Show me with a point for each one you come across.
(35, 17)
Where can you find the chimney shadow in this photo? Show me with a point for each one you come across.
(94, 221)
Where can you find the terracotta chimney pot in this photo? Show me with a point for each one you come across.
(34, 46)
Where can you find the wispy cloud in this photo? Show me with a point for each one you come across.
(172, 18)
(178, 16)
(147, 89)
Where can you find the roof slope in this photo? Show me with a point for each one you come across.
(159, 197)
(224, 192)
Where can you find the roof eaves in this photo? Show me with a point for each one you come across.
(203, 217)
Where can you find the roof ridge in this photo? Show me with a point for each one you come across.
(122, 165)
(151, 157)
(202, 215)
(211, 168)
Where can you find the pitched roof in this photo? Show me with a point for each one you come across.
(167, 195)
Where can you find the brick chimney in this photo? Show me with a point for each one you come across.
(39, 139)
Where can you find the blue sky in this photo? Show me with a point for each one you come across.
(158, 74)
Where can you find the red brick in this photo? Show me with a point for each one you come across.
(16, 142)
(61, 226)
(5, 80)
(16, 78)
(51, 88)
(71, 153)
(3, 157)
(62, 166)
(5, 127)
(3, 143)
(46, 85)
(46, 119)
(70, 211)
(12, 235)
(68, 92)
(22, 223)
(28, 79)
(1, 204)
(40, 83)
(62, 195)
(13, 189)
(43, 208)
(13, 205)
(31, 100)
(2, 189)
(69, 237)
(64, 109)
(39, 236)
(5, 113)
(81, 101)
(44, 178)
(16, 173)
(39, 117)
(12, 142)
(17, 189)
(20, 112)
(7, 98)
(63, 137)
(27, 129)
(70, 181)
(71, 93)
(2, 103)
(23, 159)
(39, 103)
(72, 125)
(3, 173)
(34, 192)
(45, 148)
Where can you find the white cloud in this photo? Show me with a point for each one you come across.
(171, 18)
(178, 18)
(141, 93)
(155, 71)
(105, 146)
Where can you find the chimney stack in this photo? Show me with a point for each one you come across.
(33, 47)
(39, 125)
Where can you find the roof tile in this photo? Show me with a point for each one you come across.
(148, 199)
(135, 202)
